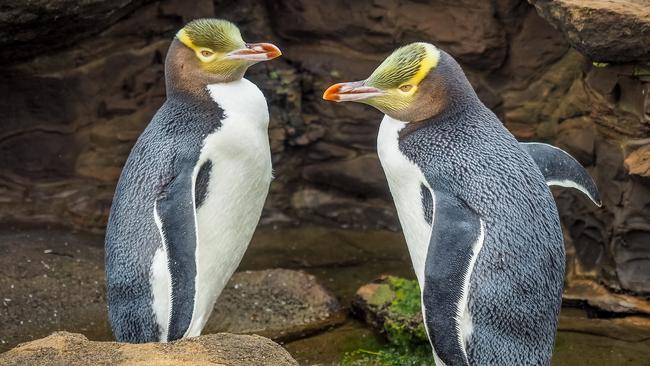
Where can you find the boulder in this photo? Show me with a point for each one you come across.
(279, 303)
(605, 31)
(72, 349)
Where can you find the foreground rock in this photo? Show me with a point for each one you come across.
(63, 348)
(616, 31)
(278, 303)
(53, 279)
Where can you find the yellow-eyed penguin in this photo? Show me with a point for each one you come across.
(481, 225)
(192, 190)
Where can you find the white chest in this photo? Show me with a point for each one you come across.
(404, 180)
(238, 185)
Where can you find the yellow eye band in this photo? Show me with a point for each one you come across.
(183, 37)
(428, 62)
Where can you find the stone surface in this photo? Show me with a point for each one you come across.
(279, 303)
(605, 31)
(63, 348)
(53, 279)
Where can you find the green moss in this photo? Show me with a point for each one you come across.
(407, 296)
(600, 64)
(382, 295)
(388, 357)
(399, 301)
(406, 335)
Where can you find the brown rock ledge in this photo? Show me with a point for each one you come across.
(72, 349)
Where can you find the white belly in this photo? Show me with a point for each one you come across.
(239, 182)
(404, 180)
(237, 187)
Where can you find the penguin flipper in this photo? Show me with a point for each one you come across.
(176, 217)
(561, 169)
(457, 236)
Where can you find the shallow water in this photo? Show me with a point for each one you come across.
(343, 260)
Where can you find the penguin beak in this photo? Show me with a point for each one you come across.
(255, 52)
(353, 91)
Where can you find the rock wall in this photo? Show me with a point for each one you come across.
(77, 93)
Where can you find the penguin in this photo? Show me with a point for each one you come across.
(192, 189)
(480, 222)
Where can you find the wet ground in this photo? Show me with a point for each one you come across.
(342, 260)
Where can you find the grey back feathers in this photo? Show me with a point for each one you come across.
(516, 284)
(156, 170)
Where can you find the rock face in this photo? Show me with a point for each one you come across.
(32, 28)
(63, 348)
(607, 31)
(74, 107)
(53, 279)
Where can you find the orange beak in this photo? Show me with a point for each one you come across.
(256, 52)
(353, 91)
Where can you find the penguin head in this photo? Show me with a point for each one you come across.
(218, 49)
(411, 85)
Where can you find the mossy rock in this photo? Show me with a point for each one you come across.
(391, 305)
(393, 356)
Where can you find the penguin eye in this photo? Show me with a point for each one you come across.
(206, 53)
(406, 88)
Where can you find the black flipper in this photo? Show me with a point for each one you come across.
(456, 238)
(175, 209)
(561, 169)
